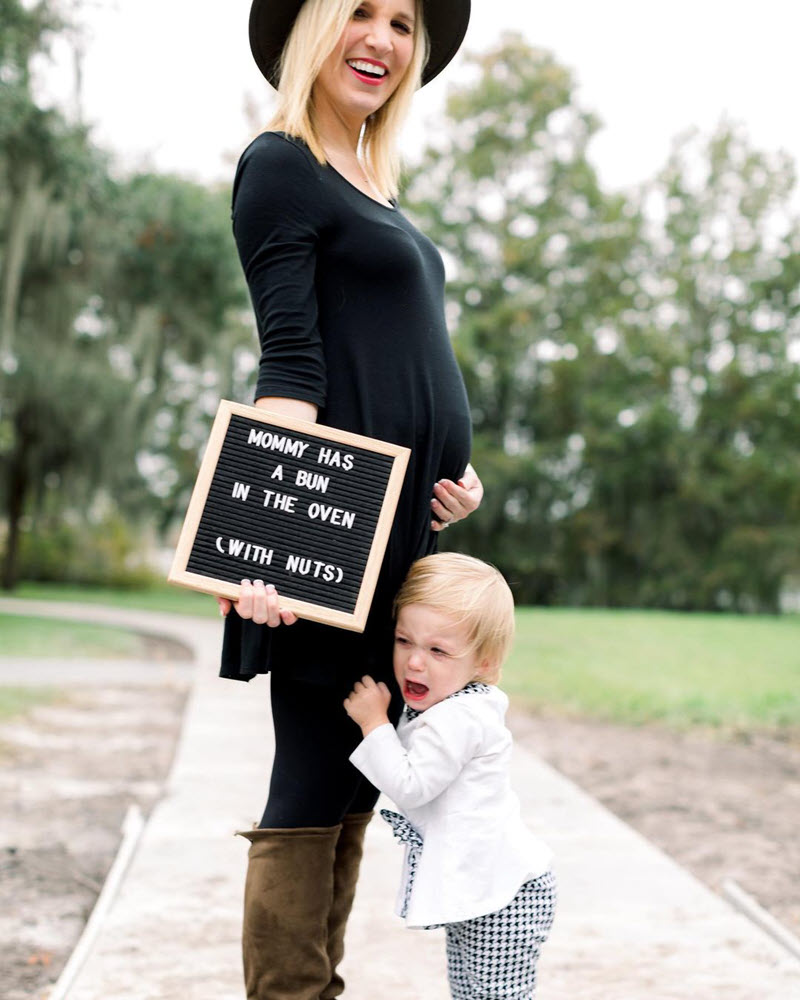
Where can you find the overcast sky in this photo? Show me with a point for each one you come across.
(165, 81)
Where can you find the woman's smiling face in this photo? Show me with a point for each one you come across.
(432, 658)
(369, 60)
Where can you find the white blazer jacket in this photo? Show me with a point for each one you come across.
(447, 770)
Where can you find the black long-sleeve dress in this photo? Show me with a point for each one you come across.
(349, 303)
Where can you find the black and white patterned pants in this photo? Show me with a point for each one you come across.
(494, 957)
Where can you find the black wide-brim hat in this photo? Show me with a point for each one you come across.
(272, 20)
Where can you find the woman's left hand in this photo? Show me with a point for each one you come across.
(455, 501)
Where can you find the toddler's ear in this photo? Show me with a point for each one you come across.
(488, 672)
(484, 670)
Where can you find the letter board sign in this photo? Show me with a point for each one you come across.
(305, 507)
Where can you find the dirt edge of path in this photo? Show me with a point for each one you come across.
(69, 770)
(723, 805)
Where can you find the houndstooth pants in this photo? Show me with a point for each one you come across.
(494, 957)
(491, 957)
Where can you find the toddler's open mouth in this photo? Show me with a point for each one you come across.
(414, 691)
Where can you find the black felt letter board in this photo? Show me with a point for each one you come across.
(303, 506)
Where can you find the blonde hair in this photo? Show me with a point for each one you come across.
(314, 36)
(469, 591)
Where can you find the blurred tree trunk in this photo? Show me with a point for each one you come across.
(17, 487)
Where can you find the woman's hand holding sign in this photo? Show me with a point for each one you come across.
(259, 603)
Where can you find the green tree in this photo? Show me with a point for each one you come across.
(177, 303)
(48, 208)
(631, 359)
(726, 247)
(539, 262)
(122, 319)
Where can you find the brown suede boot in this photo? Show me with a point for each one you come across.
(349, 850)
(287, 901)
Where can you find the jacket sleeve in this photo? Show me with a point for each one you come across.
(276, 223)
(439, 749)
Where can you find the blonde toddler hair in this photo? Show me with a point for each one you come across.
(467, 590)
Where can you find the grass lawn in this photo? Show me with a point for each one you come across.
(643, 666)
(162, 597)
(22, 635)
(622, 666)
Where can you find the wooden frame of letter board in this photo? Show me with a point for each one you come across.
(354, 621)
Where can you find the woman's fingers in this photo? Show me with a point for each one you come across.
(269, 604)
(260, 603)
(266, 604)
(440, 508)
(224, 606)
(450, 501)
(455, 501)
(244, 606)
(260, 611)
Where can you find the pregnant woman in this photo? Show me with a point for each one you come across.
(349, 303)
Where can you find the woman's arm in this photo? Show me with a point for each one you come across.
(276, 221)
(278, 214)
(289, 407)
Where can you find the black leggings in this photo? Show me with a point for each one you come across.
(313, 782)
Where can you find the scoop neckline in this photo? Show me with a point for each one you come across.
(391, 207)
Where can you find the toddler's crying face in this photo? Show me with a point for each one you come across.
(432, 656)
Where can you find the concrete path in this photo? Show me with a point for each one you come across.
(631, 924)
